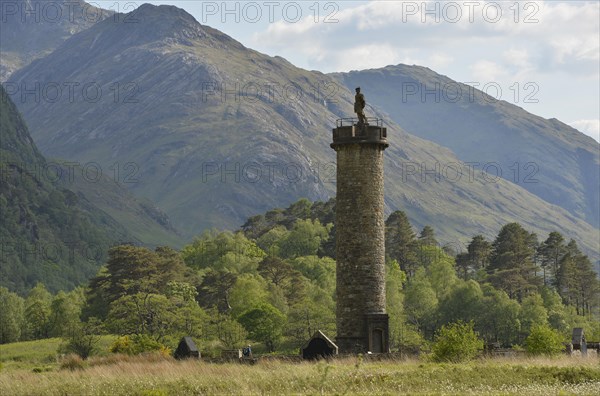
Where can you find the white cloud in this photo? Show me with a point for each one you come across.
(486, 71)
(589, 127)
(368, 56)
(439, 60)
(555, 44)
(518, 58)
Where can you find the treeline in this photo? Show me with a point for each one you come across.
(273, 282)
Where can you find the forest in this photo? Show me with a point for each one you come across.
(272, 284)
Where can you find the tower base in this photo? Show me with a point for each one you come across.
(375, 340)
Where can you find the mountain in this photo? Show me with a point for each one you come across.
(31, 29)
(48, 233)
(58, 218)
(143, 219)
(546, 157)
(218, 132)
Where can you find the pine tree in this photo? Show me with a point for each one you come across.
(550, 253)
(511, 263)
(477, 256)
(401, 242)
(427, 236)
(577, 282)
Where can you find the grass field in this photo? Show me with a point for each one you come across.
(33, 368)
(159, 376)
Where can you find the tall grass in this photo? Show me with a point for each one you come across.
(121, 375)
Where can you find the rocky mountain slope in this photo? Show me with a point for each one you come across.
(31, 29)
(219, 132)
(546, 157)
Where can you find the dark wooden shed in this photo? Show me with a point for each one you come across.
(187, 349)
(319, 346)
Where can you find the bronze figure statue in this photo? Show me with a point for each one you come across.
(359, 107)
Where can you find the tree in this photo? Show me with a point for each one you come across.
(11, 316)
(37, 312)
(131, 270)
(270, 240)
(311, 311)
(420, 301)
(499, 317)
(82, 338)
(264, 323)
(225, 251)
(511, 263)
(577, 282)
(215, 289)
(320, 270)
(550, 253)
(65, 311)
(276, 270)
(304, 239)
(543, 340)
(249, 291)
(440, 271)
(228, 330)
(533, 313)
(463, 302)
(394, 280)
(427, 236)
(400, 242)
(456, 342)
(586, 286)
(479, 250)
(143, 313)
(557, 312)
(476, 258)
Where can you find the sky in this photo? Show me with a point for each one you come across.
(543, 56)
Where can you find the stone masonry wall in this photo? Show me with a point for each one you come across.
(360, 243)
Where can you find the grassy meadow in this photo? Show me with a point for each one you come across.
(34, 369)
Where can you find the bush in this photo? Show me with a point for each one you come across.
(82, 339)
(456, 342)
(543, 340)
(72, 362)
(138, 343)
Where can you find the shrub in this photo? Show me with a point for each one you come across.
(136, 344)
(82, 339)
(72, 362)
(456, 342)
(543, 340)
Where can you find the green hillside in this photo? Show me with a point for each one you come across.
(48, 233)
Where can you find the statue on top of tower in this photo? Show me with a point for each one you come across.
(359, 107)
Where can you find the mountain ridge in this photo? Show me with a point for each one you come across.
(565, 161)
(212, 152)
(31, 29)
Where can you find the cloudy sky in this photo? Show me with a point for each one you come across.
(543, 55)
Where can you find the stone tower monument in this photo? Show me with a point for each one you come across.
(362, 324)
